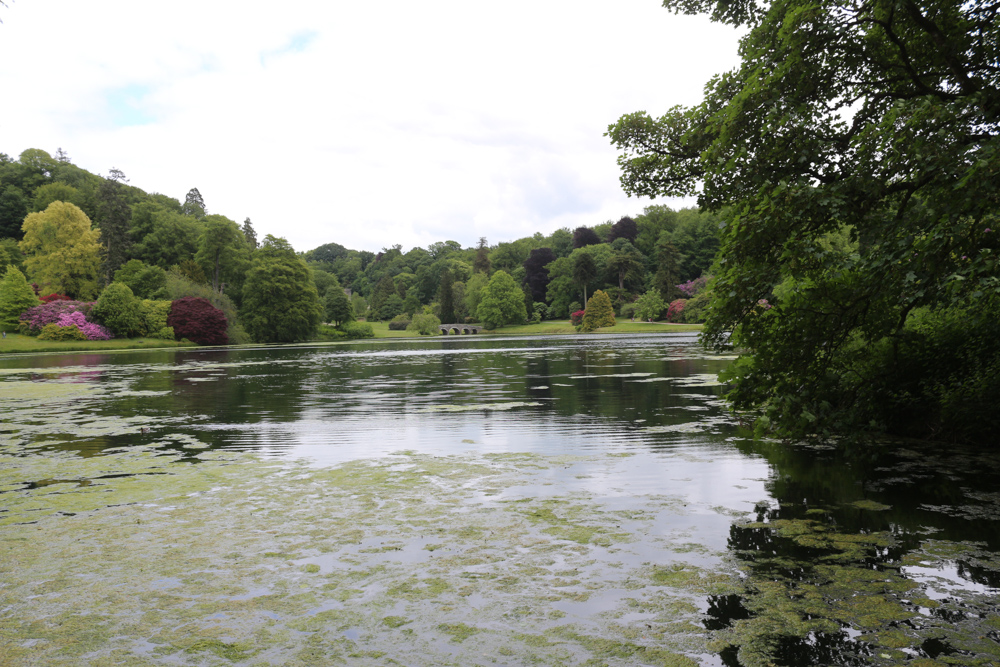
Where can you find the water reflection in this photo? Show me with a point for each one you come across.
(881, 555)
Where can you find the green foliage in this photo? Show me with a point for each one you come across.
(50, 192)
(61, 251)
(10, 255)
(502, 302)
(164, 237)
(16, 296)
(113, 217)
(146, 282)
(355, 330)
(599, 312)
(154, 317)
(13, 208)
(120, 311)
(474, 293)
(446, 297)
(391, 307)
(400, 322)
(876, 121)
(166, 333)
(337, 306)
(56, 332)
(280, 302)
(696, 309)
(425, 324)
(649, 306)
(223, 254)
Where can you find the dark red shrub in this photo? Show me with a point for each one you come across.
(198, 320)
(577, 318)
(49, 298)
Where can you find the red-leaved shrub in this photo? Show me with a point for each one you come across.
(49, 298)
(675, 310)
(198, 320)
(577, 317)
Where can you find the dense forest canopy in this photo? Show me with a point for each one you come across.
(74, 233)
(854, 158)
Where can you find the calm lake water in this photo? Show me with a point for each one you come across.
(468, 501)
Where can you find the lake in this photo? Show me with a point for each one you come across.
(468, 500)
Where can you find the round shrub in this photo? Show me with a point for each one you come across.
(119, 310)
(56, 332)
(425, 324)
(358, 330)
(399, 323)
(198, 320)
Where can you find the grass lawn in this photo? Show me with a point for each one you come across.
(381, 330)
(564, 327)
(553, 327)
(14, 343)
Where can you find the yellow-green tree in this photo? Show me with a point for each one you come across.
(62, 253)
(599, 312)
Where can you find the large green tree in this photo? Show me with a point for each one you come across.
(878, 118)
(62, 253)
(280, 302)
(502, 302)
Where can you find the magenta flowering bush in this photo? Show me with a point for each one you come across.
(694, 287)
(89, 329)
(63, 314)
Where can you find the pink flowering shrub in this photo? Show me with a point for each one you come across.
(694, 287)
(62, 313)
(89, 329)
(577, 318)
(675, 310)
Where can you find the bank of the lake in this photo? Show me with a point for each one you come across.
(20, 344)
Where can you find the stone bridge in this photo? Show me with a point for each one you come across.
(460, 329)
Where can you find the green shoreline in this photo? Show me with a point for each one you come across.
(20, 344)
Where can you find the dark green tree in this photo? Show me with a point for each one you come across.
(13, 208)
(194, 204)
(584, 271)
(481, 264)
(879, 119)
(113, 219)
(250, 235)
(667, 274)
(10, 255)
(280, 303)
(536, 273)
(446, 298)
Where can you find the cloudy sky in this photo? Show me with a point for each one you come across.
(362, 123)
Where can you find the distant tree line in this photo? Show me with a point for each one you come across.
(74, 234)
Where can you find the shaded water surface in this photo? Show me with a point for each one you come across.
(557, 500)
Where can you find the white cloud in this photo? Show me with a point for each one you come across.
(367, 124)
